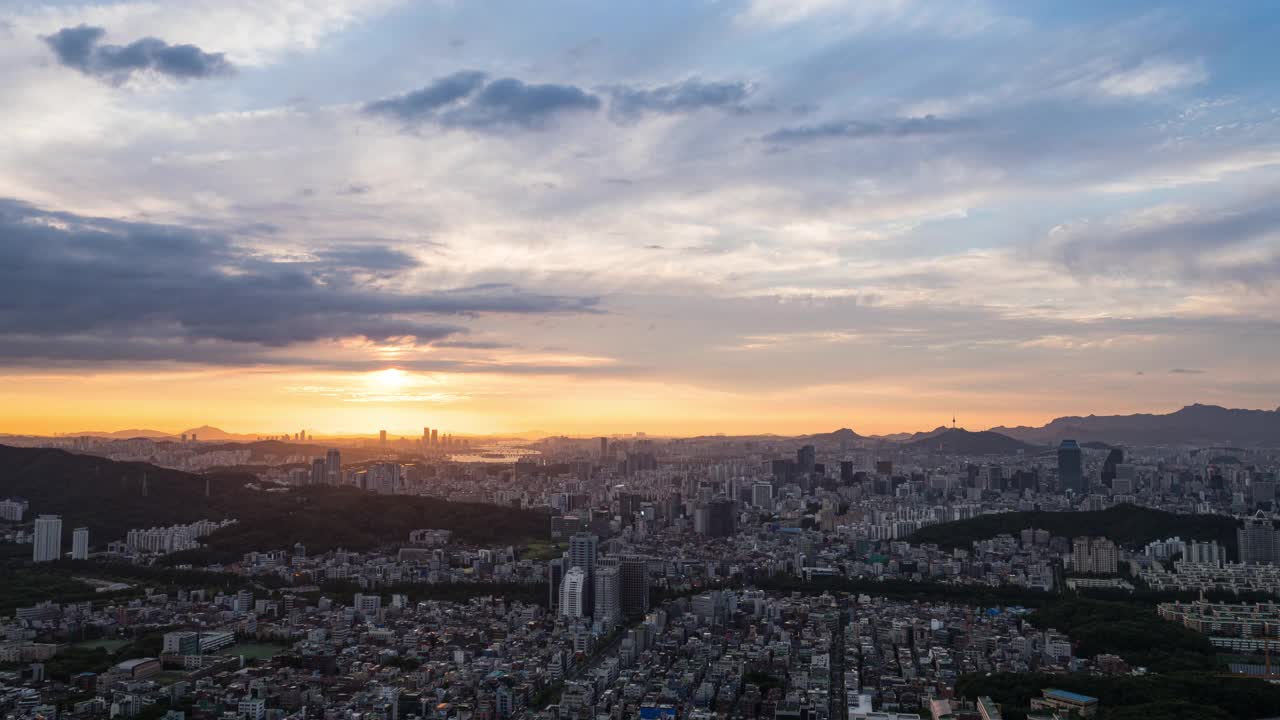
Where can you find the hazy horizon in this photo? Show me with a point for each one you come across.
(413, 433)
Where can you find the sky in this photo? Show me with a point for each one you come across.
(604, 217)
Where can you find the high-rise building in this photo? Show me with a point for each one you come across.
(762, 496)
(1258, 540)
(333, 467)
(806, 458)
(426, 436)
(435, 437)
(47, 540)
(715, 518)
(555, 576)
(80, 544)
(1205, 553)
(995, 478)
(382, 437)
(13, 510)
(635, 586)
(846, 472)
(628, 506)
(384, 478)
(1096, 556)
(318, 471)
(573, 594)
(639, 461)
(782, 470)
(1114, 458)
(1071, 467)
(607, 593)
(583, 547)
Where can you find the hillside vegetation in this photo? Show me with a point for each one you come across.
(1176, 696)
(108, 497)
(1125, 524)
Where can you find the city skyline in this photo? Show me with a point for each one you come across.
(446, 438)
(739, 217)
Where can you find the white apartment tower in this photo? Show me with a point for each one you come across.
(608, 593)
(47, 545)
(80, 544)
(573, 594)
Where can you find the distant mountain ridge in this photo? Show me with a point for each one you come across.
(121, 434)
(841, 435)
(958, 441)
(212, 434)
(1192, 425)
(204, 432)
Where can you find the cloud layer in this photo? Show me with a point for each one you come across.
(836, 205)
(468, 100)
(81, 48)
(74, 282)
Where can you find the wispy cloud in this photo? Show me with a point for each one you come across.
(861, 130)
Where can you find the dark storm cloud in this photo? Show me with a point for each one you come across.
(74, 283)
(467, 100)
(856, 130)
(688, 96)
(79, 48)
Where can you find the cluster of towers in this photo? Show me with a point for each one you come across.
(431, 438)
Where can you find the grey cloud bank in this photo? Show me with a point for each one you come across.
(68, 282)
(79, 47)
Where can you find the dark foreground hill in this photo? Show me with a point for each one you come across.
(111, 497)
(956, 441)
(1125, 524)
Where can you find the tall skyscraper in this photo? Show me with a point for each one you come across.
(1071, 467)
(846, 472)
(1114, 458)
(435, 437)
(318, 471)
(555, 576)
(607, 593)
(604, 447)
(762, 496)
(582, 554)
(1259, 541)
(426, 436)
(573, 594)
(635, 586)
(382, 437)
(333, 467)
(80, 544)
(716, 518)
(47, 545)
(806, 458)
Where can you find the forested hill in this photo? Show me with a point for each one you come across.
(1125, 524)
(956, 441)
(110, 498)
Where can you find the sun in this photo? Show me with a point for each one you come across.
(390, 379)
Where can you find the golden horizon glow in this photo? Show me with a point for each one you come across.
(255, 401)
